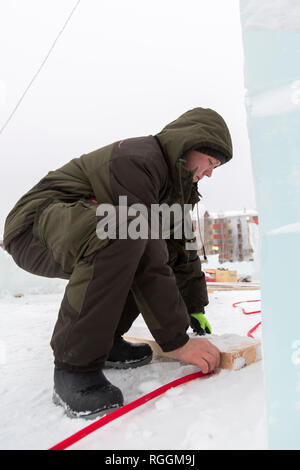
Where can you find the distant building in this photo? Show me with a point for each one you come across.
(227, 235)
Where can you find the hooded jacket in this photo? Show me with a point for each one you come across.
(148, 170)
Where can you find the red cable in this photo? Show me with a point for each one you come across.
(253, 329)
(142, 400)
(243, 301)
(124, 410)
(249, 313)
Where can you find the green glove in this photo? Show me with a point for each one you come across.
(200, 324)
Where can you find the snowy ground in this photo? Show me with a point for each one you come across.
(224, 411)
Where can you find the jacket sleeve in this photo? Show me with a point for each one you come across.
(155, 288)
(190, 278)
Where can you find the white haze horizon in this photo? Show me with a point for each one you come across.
(119, 70)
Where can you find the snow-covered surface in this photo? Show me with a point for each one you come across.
(243, 268)
(224, 411)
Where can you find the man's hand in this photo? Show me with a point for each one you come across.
(200, 352)
(200, 324)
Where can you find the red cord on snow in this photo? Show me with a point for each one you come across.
(69, 441)
(249, 313)
(124, 410)
(253, 329)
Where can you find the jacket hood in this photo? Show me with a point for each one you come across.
(197, 127)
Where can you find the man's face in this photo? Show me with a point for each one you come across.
(203, 164)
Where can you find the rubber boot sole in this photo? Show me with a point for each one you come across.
(57, 400)
(128, 364)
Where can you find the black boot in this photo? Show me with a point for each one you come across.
(125, 355)
(85, 394)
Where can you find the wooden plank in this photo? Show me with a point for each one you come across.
(239, 357)
(215, 286)
(222, 275)
(232, 357)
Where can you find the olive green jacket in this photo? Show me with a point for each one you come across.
(148, 170)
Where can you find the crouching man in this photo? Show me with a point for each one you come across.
(53, 231)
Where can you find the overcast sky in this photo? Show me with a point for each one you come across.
(120, 69)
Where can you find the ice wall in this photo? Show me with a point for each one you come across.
(271, 38)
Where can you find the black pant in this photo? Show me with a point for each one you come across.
(110, 283)
(37, 259)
